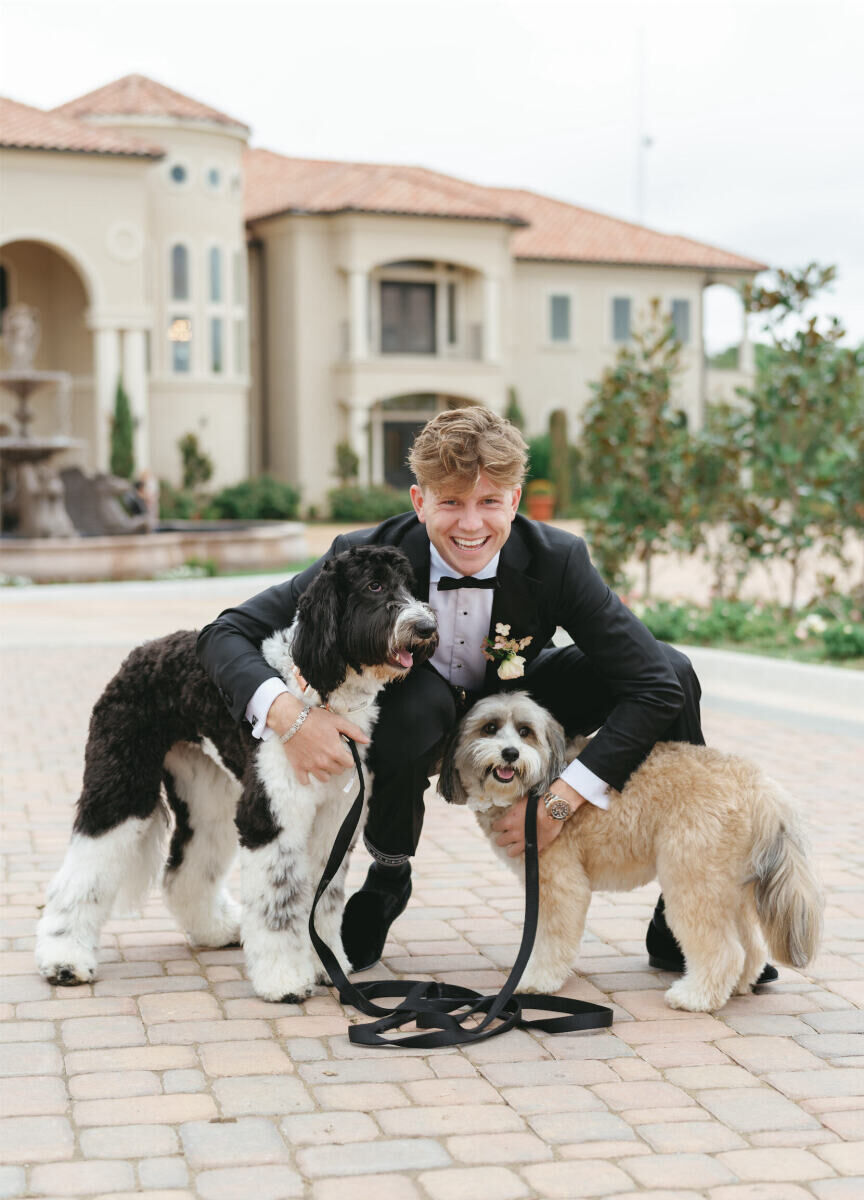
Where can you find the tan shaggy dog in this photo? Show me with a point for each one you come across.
(723, 839)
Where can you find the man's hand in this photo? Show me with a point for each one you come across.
(317, 747)
(511, 827)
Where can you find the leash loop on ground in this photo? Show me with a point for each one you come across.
(453, 1015)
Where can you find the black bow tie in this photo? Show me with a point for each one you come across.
(446, 584)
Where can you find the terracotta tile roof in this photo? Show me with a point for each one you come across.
(26, 128)
(136, 95)
(560, 231)
(549, 229)
(276, 184)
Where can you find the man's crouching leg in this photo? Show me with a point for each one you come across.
(415, 716)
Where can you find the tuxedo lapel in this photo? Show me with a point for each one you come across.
(415, 546)
(515, 603)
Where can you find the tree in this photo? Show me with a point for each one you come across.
(637, 455)
(800, 432)
(559, 459)
(513, 412)
(197, 465)
(122, 435)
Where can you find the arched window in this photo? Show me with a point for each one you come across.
(179, 272)
(215, 274)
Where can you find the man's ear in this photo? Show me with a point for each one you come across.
(417, 501)
(517, 496)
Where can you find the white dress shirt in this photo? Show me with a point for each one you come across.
(464, 616)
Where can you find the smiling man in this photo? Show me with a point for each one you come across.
(489, 573)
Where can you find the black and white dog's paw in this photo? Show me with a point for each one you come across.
(222, 927)
(65, 961)
(282, 982)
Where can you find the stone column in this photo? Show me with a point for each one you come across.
(358, 335)
(107, 363)
(746, 357)
(135, 382)
(491, 320)
(358, 424)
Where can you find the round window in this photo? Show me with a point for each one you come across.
(214, 178)
(178, 173)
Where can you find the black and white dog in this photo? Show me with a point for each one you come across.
(161, 722)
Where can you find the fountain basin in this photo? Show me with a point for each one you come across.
(231, 545)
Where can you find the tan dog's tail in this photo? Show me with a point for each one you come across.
(787, 894)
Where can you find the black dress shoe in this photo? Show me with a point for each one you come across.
(370, 912)
(664, 953)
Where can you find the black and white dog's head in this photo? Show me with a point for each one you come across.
(505, 747)
(359, 613)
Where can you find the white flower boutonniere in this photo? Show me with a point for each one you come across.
(505, 651)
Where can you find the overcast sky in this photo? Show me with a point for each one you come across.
(755, 108)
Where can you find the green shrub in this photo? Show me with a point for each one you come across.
(667, 621)
(844, 639)
(260, 499)
(367, 503)
(177, 504)
(197, 465)
(539, 454)
(122, 435)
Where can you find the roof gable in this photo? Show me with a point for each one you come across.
(26, 128)
(140, 96)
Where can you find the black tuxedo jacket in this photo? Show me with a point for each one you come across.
(546, 580)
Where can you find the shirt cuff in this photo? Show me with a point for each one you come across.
(259, 706)
(586, 783)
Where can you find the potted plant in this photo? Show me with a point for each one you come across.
(540, 499)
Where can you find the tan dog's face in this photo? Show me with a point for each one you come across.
(506, 746)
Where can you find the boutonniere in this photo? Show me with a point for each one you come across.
(504, 650)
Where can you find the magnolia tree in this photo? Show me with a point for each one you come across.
(800, 434)
(638, 456)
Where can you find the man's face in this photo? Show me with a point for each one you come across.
(467, 529)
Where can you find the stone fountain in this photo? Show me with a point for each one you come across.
(31, 490)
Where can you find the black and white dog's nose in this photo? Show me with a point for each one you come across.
(509, 754)
(424, 628)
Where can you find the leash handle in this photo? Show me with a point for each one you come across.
(433, 1006)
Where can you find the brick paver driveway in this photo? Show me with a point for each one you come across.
(167, 1078)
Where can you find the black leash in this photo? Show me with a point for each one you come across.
(446, 1009)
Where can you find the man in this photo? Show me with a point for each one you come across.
(479, 564)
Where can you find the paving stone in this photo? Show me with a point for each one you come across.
(25, 1031)
(550, 1071)
(13, 1181)
(696, 1078)
(235, 1143)
(591, 1046)
(652, 1095)
(107, 1084)
(94, 1033)
(320, 1129)
(499, 1148)
(567, 1180)
(760, 1191)
(478, 1183)
(761, 1054)
(447, 1091)
(128, 1141)
(82, 1178)
(690, 1137)
(774, 1165)
(845, 1157)
(832, 1045)
(679, 1170)
(35, 1139)
(663, 1055)
(245, 1058)
(847, 1021)
(192, 1033)
(144, 1110)
(849, 1125)
(135, 1058)
(444, 1119)
(364, 1158)
(748, 1110)
(184, 1081)
(839, 1189)
(33, 1096)
(810, 1085)
(40, 1058)
(179, 1006)
(382, 1069)
(163, 1173)
(585, 1127)
(262, 1094)
(265, 1183)
(367, 1187)
(552, 1098)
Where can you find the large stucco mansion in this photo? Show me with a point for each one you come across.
(277, 306)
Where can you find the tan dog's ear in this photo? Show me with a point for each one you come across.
(449, 783)
(557, 749)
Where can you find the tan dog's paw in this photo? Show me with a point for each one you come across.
(687, 995)
(544, 979)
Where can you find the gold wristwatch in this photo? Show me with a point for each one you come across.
(556, 806)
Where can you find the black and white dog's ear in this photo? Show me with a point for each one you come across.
(449, 783)
(317, 647)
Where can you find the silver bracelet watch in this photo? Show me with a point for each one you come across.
(556, 806)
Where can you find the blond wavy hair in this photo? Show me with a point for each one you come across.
(459, 445)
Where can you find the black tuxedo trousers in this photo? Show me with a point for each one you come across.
(418, 713)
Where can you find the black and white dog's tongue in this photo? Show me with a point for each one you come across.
(504, 774)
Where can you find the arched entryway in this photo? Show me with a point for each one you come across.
(43, 276)
(393, 425)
